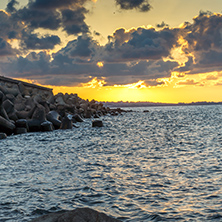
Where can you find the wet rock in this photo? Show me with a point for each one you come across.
(46, 126)
(78, 215)
(21, 123)
(20, 131)
(97, 123)
(6, 126)
(66, 123)
(34, 125)
(77, 118)
(53, 117)
(3, 136)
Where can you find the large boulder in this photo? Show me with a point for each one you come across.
(97, 123)
(3, 136)
(66, 123)
(77, 215)
(53, 117)
(6, 126)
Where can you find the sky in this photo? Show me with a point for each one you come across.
(115, 50)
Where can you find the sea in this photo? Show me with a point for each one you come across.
(161, 165)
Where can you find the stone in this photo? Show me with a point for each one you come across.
(23, 90)
(77, 215)
(20, 131)
(8, 106)
(53, 117)
(77, 118)
(47, 126)
(3, 136)
(39, 113)
(66, 123)
(21, 123)
(97, 123)
(10, 97)
(34, 125)
(6, 126)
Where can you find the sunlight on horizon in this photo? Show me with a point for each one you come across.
(200, 87)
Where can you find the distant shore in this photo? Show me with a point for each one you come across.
(151, 104)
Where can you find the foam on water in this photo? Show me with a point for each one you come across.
(165, 165)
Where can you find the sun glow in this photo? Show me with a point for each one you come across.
(100, 64)
(185, 88)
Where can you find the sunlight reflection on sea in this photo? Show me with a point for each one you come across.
(164, 165)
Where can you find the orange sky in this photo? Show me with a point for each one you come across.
(116, 54)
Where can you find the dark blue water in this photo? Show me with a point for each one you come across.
(165, 165)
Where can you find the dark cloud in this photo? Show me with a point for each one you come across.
(204, 34)
(11, 6)
(82, 48)
(162, 25)
(5, 49)
(55, 4)
(141, 44)
(52, 14)
(73, 21)
(142, 5)
(32, 41)
(129, 56)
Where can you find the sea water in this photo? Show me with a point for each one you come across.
(162, 165)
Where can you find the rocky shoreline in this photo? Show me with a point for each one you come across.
(77, 215)
(25, 110)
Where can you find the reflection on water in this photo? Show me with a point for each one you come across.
(165, 165)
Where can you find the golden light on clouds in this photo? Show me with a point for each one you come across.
(187, 88)
(138, 85)
(94, 83)
(100, 64)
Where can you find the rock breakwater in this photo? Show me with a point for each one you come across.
(26, 109)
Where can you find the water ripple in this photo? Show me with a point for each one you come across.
(164, 165)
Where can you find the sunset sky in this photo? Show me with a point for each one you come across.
(112, 50)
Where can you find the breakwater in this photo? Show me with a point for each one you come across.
(27, 107)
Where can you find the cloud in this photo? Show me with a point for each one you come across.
(32, 41)
(141, 44)
(141, 5)
(188, 82)
(162, 25)
(5, 49)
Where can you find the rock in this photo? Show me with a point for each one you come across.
(97, 123)
(77, 118)
(23, 90)
(6, 126)
(47, 126)
(66, 123)
(53, 117)
(34, 125)
(77, 215)
(3, 136)
(87, 114)
(39, 113)
(13, 116)
(10, 97)
(21, 123)
(8, 106)
(20, 131)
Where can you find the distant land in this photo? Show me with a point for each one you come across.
(149, 104)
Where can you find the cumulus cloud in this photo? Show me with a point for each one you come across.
(141, 44)
(129, 56)
(142, 5)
